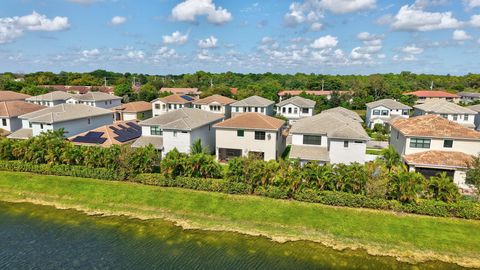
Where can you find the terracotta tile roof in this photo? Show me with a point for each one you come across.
(133, 107)
(252, 121)
(175, 99)
(298, 101)
(52, 96)
(108, 134)
(234, 91)
(450, 159)
(432, 94)
(95, 96)
(215, 99)
(433, 126)
(181, 91)
(10, 95)
(389, 103)
(15, 108)
(80, 89)
(475, 108)
(310, 92)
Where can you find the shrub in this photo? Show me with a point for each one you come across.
(273, 192)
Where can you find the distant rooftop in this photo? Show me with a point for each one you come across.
(134, 107)
(254, 101)
(64, 112)
(214, 99)
(181, 91)
(310, 92)
(52, 96)
(298, 101)
(252, 121)
(176, 99)
(389, 103)
(469, 94)
(182, 119)
(443, 107)
(10, 95)
(345, 112)
(431, 94)
(16, 108)
(95, 96)
(80, 89)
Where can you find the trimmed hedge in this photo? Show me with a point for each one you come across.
(62, 170)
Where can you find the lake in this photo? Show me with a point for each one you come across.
(41, 237)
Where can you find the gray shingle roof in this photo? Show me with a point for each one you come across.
(183, 119)
(298, 101)
(21, 134)
(445, 107)
(333, 125)
(95, 96)
(469, 94)
(309, 153)
(64, 112)
(345, 112)
(475, 108)
(389, 103)
(143, 141)
(254, 101)
(52, 96)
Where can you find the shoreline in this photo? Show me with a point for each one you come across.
(411, 258)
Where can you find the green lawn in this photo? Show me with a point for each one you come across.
(406, 236)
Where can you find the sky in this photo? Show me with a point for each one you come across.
(246, 36)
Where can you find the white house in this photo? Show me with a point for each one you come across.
(50, 99)
(11, 110)
(447, 110)
(384, 110)
(12, 96)
(170, 103)
(179, 129)
(431, 144)
(72, 118)
(253, 104)
(295, 108)
(96, 99)
(216, 104)
(250, 134)
(329, 137)
(424, 96)
(476, 108)
(468, 97)
(137, 110)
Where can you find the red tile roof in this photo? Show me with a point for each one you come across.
(252, 121)
(450, 159)
(309, 92)
(234, 91)
(10, 95)
(79, 88)
(181, 91)
(16, 108)
(432, 94)
(137, 106)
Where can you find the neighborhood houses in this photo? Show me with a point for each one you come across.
(437, 136)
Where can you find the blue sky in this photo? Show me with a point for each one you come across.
(182, 36)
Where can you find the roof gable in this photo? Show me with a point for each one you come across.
(183, 119)
(254, 101)
(298, 101)
(252, 121)
(389, 103)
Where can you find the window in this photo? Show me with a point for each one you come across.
(405, 112)
(376, 112)
(455, 117)
(398, 134)
(465, 117)
(289, 110)
(30, 125)
(41, 126)
(89, 121)
(262, 110)
(240, 133)
(385, 112)
(174, 134)
(419, 143)
(295, 110)
(156, 131)
(305, 110)
(283, 109)
(444, 115)
(448, 143)
(312, 139)
(256, 109)
(163, 107)
(4, 122)
(345, 144)
(198, 106)
(260, 135)
(110, 102)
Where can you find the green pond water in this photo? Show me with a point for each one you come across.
(39, 237)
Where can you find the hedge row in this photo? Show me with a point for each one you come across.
(461, 209)
(62, 170)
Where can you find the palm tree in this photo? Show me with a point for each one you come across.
(442, 188)
(197, 148)
(405, 186)
(391, 158)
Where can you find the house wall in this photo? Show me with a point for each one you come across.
(166, 107)
(297, 139)
(460, 117)
(477, 121)
(207, 135)
(176, 139)
(226, 110)
(381, 119)
(398, 141)
(355, 152)
(271, 146)
(75, 127)
(106, 104)
(8, 124)
(48, 103)
(269, 110)
(292, 115)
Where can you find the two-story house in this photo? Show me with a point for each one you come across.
(476, 108)
(193, 92)
(250, 134)
(137, 110)
(171, 103)
(448, 110)
(468, 97)
(346, 113)
(431, 144)
(179, 129)
(12, 96)
(96, 99)
(284, 94)
(11, 110)
(295, 108)
(329, 137)
(384, 110)
(216, 104)
(72, 118)
(253, 104)
(433, 95)
(50, 99)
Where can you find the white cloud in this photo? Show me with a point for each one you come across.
(136, 54)
(412, 49)
(117, 20)
(175, 38)
(14, 27)
(472, 3)
(475, 21)
(190, 9)
(208, 43)
(316, 26)
(204, 55)
(460, 35)
(414, 18)
(347, 6)
(164, 53)
(91, 53)
(324, 42)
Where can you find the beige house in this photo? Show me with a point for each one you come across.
(250, 134)
(215, 104)
(193, 92)
(50, 99)
(253, 104)
(171, 103)
(295, 108)
(433, 95)
(448, 110)
(431, 144)
(137, 110)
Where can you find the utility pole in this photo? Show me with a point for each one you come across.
(133, 83)
(431, 86)
(211, 83)
(105, 81)
(323, 84)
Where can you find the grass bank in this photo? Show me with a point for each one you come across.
(406, 237)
